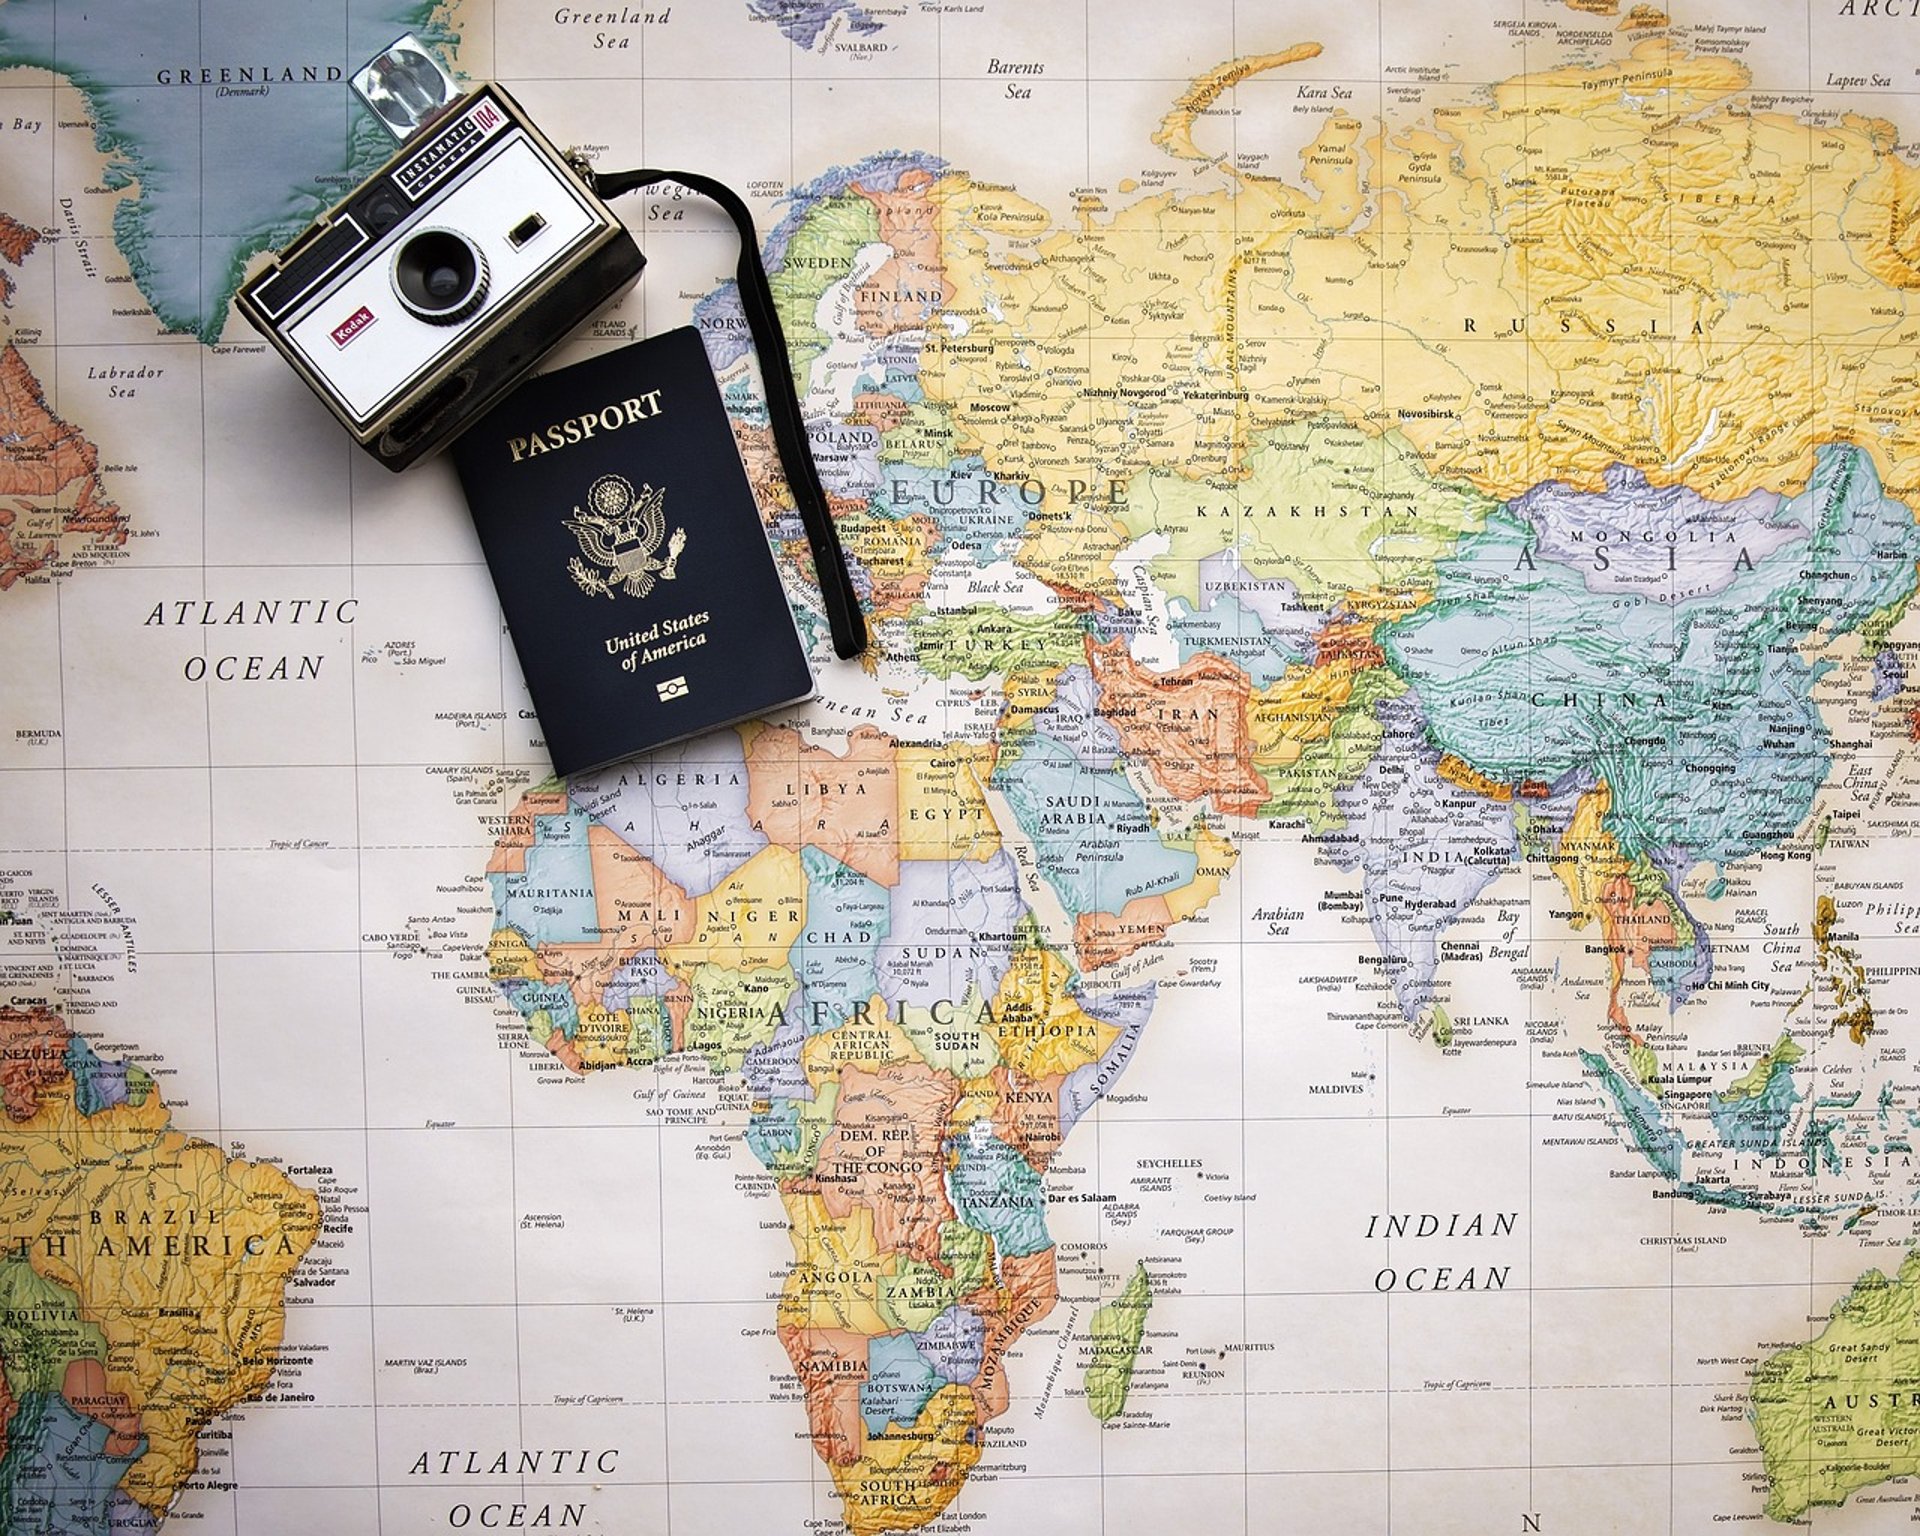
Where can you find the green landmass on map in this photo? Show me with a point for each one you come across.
(1842, 1411)
(1115, 1342)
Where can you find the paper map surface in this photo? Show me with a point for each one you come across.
(1346, 962)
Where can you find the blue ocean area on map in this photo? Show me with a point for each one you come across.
(224, 166)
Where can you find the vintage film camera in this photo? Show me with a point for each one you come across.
(418, 300)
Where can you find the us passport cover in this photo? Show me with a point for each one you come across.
(629, 554)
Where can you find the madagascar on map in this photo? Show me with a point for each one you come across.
(1345, 961)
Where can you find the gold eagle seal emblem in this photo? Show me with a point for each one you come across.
(621, 533)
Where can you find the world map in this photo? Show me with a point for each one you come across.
(1343, 961)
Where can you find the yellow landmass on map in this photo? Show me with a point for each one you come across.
(178, 1254)
(1587, 858)
(1176, 130)
(837, 1265)
(1299, 710)
(1623, 263)
(943, 801)
(1040, 1030)
(907, 1476)
(750, 919)
(1215, 860)
(868, 1040)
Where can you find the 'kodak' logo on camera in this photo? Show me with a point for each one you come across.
(352, 326)
(577, 429)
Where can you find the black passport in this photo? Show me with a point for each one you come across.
(630, 557)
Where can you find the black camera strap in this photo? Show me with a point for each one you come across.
(844, 619)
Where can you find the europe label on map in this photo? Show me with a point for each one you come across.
(1344, 960)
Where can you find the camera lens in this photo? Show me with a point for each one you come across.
(440, 275)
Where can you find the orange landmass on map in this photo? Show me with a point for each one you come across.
(1458, 771)
(584, 969)
(637, 909)
(1351, 643)
(895, 552)
(49, 479)
(510, 852)
(9, 1405)
(1028, 1291)
(16, 243)
(1635, 928)
(84, 1386)
(1101, 938)
(637, 906)
(908, 1475)
(16, 240)
(848, 806)
(1599, 886)
(832, 1366)
(1187, 727)
(33, 1057)
(882, 412)
(885, 1152)
(911, 283)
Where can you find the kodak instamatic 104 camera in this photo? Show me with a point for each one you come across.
(417, 301)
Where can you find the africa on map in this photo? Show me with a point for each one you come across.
(1343, 962)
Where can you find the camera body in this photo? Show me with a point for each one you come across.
(412, 305)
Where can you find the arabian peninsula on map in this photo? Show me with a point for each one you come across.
(1343, 961)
